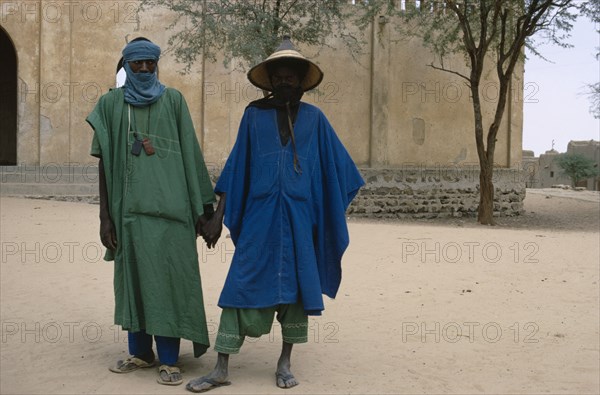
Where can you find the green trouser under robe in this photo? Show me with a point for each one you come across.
(236, 324)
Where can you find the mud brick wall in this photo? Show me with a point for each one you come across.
(434, 192)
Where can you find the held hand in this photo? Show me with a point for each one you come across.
(202, 220)
(108, 235)
(212, 230)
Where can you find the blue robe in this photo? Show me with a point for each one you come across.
(289, 228)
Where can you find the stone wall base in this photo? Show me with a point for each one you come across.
(435, 192)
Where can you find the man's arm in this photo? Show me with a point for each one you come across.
(107, 228)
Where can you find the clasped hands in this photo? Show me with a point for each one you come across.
(209, 229)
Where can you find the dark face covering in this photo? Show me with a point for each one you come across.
(285, 98)
(286, 93)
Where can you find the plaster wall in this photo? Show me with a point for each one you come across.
(389, 108)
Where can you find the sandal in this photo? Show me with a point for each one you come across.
(171, 372)
(130, 364)
(205, 380)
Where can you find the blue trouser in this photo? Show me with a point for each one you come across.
(140, 343)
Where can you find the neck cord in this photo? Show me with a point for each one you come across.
(297, 167)
(129, 120)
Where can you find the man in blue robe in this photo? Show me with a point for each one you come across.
(283, 193)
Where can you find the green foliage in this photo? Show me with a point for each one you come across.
(577, 167)
(479, 29)
(484, 32)
(251, 30)
(591, 9)
(593, 92)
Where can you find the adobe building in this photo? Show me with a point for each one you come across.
(407, 126)
(530, 168)
(544, 172)
(550, 172)
(591, 150)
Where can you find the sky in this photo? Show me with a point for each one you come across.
(555, 106)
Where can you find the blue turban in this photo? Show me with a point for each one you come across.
(141, 50)
(141, 89)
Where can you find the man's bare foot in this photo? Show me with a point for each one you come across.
(285, 378)
(208, 382)
(216, 378)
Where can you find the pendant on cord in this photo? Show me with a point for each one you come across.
(138, 144)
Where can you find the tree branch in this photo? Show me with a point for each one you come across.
(449, 71)
(288, 9)
(467, 35)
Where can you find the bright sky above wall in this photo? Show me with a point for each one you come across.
(555, 105)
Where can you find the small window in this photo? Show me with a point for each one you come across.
(551, 174)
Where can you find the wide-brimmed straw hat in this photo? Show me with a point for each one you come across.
(259, 74)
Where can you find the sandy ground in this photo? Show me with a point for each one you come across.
(432, 307)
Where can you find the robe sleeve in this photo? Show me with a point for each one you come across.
(99, 123)
(104, 117)
(200, 189)
(340, 181)
(235, 177)
(99, 120)
(96, 149)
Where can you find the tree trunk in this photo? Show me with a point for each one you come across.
(485, 212)
(485, 215)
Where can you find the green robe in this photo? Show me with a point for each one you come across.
(154, 202)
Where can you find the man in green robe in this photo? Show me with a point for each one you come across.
(155, 193)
